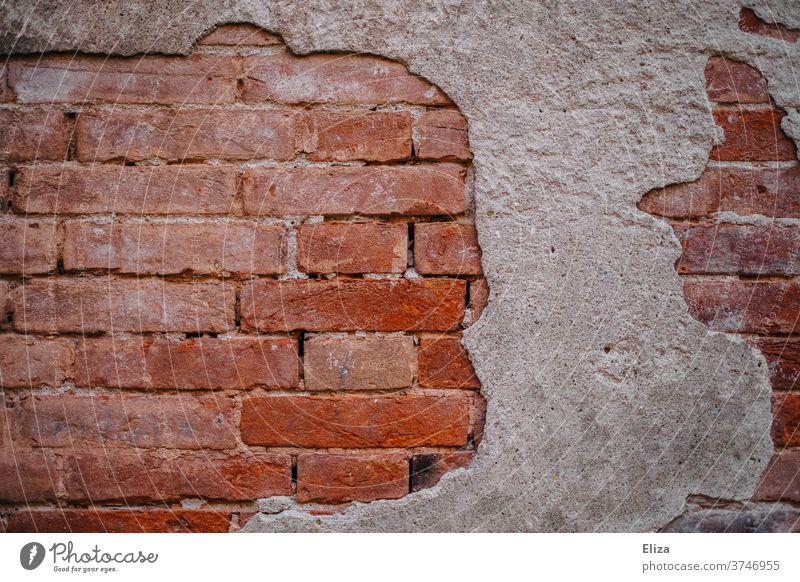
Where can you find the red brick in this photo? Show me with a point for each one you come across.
(372, 136)
(334, 78)
(32, 362)
(742, 249)
(783, 355)
(781, 478)
(750, 22)
(240, 35)
(28, 246)
(359, 363)
(198, 363)
(93, 520)
(771, 192)
(185, 135)
(729, 81)
(32, 135)
(340, 478)
(427, 469)
(446, 248)
(442, 135)
(444, 363)
(145, 79)
(786, 419)
(98, 420)
(5, 93)
(90, 305)
(356, 421)
(477, 417)
(744, 306)
(239, 248)
(184, 189)
(133, 476)
(478, 298)
(27, 476)
(350, 247)
(371, 190)
(752, 135)
(342, 305)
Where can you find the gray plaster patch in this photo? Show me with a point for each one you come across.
(608, 404)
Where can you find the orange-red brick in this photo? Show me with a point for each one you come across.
(328, 478)
(350, 247)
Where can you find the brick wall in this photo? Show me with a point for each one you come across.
(229, 276)
(741, 258)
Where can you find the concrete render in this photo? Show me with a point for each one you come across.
(608, 404)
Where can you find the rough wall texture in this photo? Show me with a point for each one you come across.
(609, 405)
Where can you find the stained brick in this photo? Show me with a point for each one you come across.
(329, 78)
(93, 520)
(98, 420)
(240, 35)
(28, 476)
(185, 135)
(343, 305)
(359, 363)
(184, 189)
(428, 468)
(446, 248)
(352, 247)
(371, 190)
(444, 363)
(32, 362)
(442, 135)
(356, 421)
(752, 135)
(32, 135)
(744, 306)
(326, 478)
(786, 419)
(729, 81)
(102, 304)
(190, 364)
(28, 246)
(781, 478)
(148, 79)
(750, 22)
(783, 355)
(372, 136)
(133, 476)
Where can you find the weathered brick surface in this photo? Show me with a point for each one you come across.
(359, 363)
(446, 248)
(786, 424)
(91, 305)
(240, 35)
(729, 81)
(412, 190)
(752, 135)
(185, 135)
(209, 79)
(33, 362)
(151, 520)
(744, 306)
(191, 364)
(750, 22)
(781, 478)
(132, 476)
(184, 189)
(326, 478)
(72, 420)
(356, 421)
(444, 363)
(762, 520)
(771, 192)
(209, 290)
(442, 135)
(783, 355)
(349, 247)
(342, 305)
(32, 135)
(342, 79)
(428, 468)
(28, 246)
(371, 136)
(739, 249)
(165, 249)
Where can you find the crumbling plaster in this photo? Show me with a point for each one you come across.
(608, 404)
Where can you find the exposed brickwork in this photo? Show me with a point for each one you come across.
(228, 276)
(741, 261)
